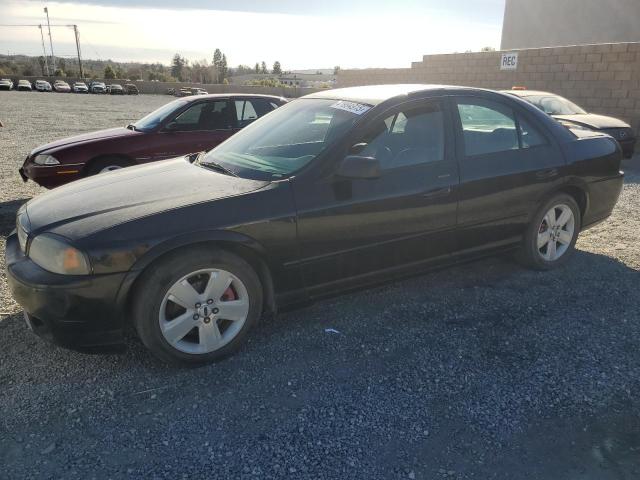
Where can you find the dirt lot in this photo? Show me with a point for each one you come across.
(481, 371)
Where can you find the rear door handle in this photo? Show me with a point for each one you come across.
(548, 173)
(438, 192)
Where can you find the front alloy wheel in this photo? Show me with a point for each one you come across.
(110, 168)
(204, 311)
(196, 305)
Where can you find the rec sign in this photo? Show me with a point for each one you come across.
(509, 61)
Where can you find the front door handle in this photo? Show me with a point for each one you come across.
(438, 192)
(548, 173)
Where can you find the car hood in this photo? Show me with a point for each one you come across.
(591, 120)
(87, 206)
(86, 137)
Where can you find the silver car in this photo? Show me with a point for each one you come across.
(6, 84)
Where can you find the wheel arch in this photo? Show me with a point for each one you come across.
(104, 156)
(244, 247)
(580, 195)
(575, 189)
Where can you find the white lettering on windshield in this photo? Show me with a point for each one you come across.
(352, 107)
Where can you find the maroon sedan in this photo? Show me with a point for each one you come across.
(181, 127)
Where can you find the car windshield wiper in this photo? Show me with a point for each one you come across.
(131, 126)
(214, 165)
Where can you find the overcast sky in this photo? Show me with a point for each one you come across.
(298, 33)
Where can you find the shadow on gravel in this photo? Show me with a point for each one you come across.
(631, 167)
(8, 215)
(484, 370)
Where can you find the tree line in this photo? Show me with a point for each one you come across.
(217, 71)
(181, 69)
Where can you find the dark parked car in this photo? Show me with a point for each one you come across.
(337, 190)
(573, 116)
(180, 127)
(131, 89)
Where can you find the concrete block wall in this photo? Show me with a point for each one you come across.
(603, 78)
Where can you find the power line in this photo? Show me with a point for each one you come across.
(75, 31)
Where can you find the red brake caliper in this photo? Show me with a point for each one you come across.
(229, 294)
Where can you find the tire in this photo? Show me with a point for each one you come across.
(547, 256)
(212, 336)
(107, 164)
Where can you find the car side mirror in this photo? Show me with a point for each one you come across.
(171, 127)
(354, 166)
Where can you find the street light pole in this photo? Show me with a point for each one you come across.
(53, 58)
(44, 51)
(75, 30)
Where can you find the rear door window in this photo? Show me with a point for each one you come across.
(529, 135)
(248, 110)
(487, 127)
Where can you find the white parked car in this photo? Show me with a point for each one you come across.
(61, 86)
(6, 84)
(43, 86)
(24, 85)
(80, 87)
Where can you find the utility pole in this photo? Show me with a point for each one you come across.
(53, 58)
(75, 30)
(44, 51)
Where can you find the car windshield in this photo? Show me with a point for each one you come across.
(555, 105)
(286, 139)
(156, 117)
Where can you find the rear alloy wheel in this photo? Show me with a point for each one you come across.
(556, 232)
(552, 234)
(197, 306)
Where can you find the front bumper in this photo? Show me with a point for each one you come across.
(76, 312)
(628, 147)
(50, 176)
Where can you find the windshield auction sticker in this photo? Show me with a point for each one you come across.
(352, 107)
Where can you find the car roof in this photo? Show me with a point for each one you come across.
(375, 94)
(529, 93)
(227, 95)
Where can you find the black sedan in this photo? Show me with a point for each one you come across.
(337, 190)
(573, 116)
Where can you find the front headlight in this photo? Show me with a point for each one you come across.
(22, 229)
(46, 160)
(54, 254)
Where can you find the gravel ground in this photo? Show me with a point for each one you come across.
(480, 371)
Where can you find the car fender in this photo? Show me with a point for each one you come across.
(574, 186)
(173, 244)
